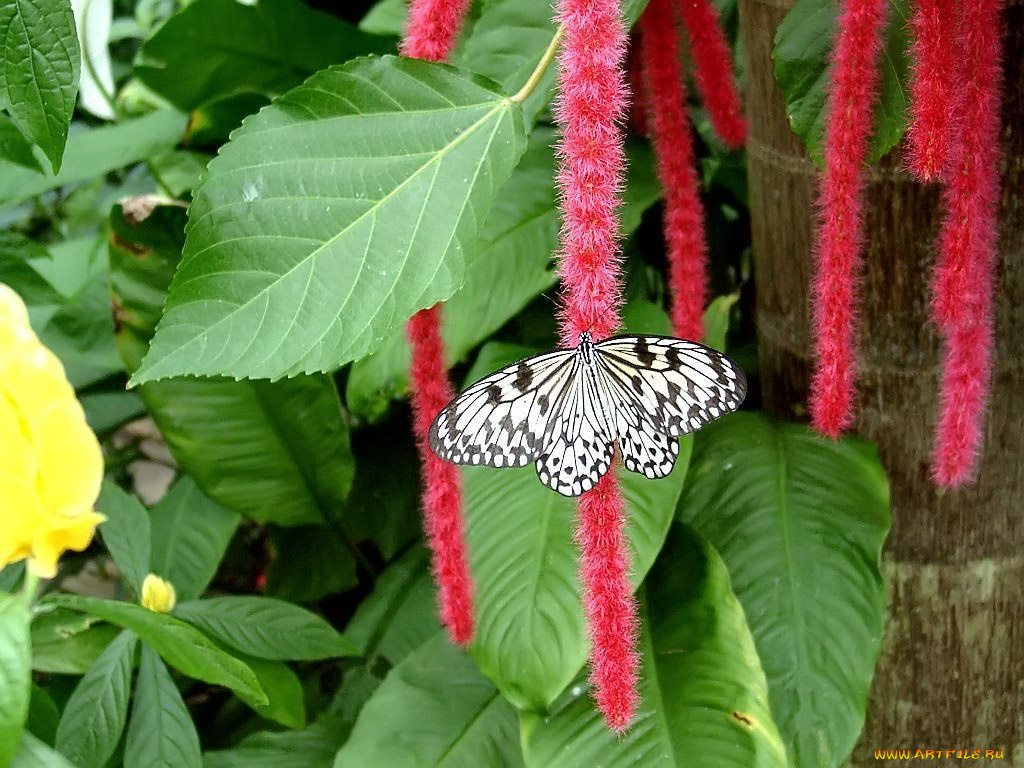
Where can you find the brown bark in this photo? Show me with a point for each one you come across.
(951, 672)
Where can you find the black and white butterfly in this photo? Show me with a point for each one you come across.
(565, 410)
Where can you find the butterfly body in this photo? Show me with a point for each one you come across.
(567, 410)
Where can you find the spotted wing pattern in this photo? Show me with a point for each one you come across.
(676, 386)
(580, 437)
(565, 411)
(502, 420)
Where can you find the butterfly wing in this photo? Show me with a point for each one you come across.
(645, 451)
(672, 385)
(579, 442)
(502, 419)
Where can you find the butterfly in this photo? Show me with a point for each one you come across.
(566, 410)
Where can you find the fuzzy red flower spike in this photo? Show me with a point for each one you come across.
(591, 107)
(431, 30)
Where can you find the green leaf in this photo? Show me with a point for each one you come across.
(273, 451)
(309, 563)
(125, 533)
(704, 701)
(800, 521)
(215, 48)
(316, 744)
(716, 320)
(39, 67)
(530, 636)
(509, 267)
(95, 715)
(286, 702)
(298, 262)
(434, 709)
(190, 534)
(181, 645)
(18, 256)
(506, 44)
(43, 715)
(266, 628)
(400, 614)
(68, 642)
(14, 674)
(161, 733)
(387, 17)
(106, 411)
(803, 45)
(14, 147)
(94, 152)
(34, 753)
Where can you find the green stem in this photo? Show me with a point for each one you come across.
(29, 586)
(542, 66)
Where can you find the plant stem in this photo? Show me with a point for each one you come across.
(542, 66)
(29, 585)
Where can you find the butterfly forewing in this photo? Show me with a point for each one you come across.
(676, 385)
(500, 420)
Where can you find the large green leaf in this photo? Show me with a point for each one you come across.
(434, 709)
(800, 522)
(511, 265)
(125, 532)
(803, 45)
(215, 48)
(266, 628)
(39, 66)
(310, 562)
(190, 534)
(704, 700)
(95, 715)
(399, 615)
(273, 451)
(530, 634)
(68, 642)
(332, 216)
(161, 733)
(285, 698)
(15, 674)
(182, 645)
(94, 152)
(35, 753)
(317, 745)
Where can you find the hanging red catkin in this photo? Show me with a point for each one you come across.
(591, 106)
(712, 64)
(964, 282)
(837, 257)
(933, 61)
(431, 30)
(673, 148)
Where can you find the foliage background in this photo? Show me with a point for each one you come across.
(285, 511)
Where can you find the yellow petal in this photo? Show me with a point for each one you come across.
(158, 595)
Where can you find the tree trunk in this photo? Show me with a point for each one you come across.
(951, 671)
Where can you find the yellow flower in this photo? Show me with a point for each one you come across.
(51, 466)
(158, 595)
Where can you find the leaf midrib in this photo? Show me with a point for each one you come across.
(781, 503)
(471, 130)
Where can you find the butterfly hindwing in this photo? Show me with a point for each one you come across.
(500, 420)
(678, 386)
(580, 439)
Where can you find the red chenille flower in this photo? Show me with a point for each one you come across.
(837, 255)
(673, 148)
(431, 30)
(932, 85)
(964, 282)
(591, 106)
